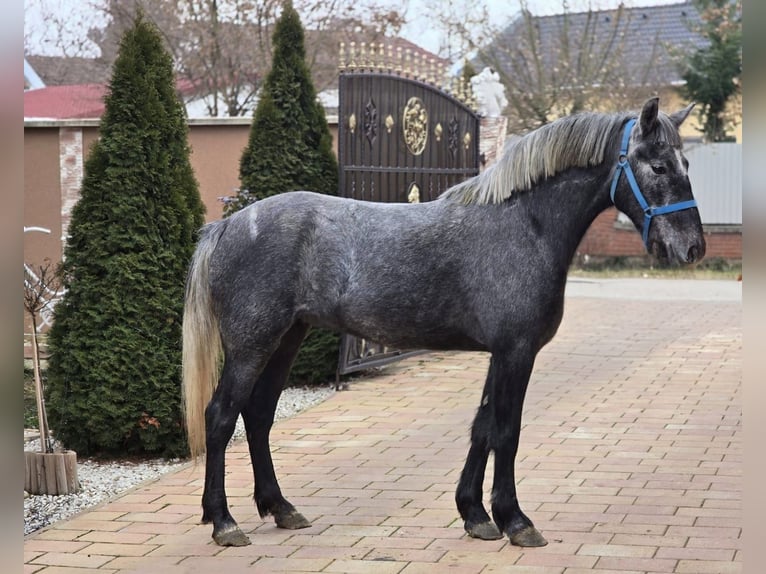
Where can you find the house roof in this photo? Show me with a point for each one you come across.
(60, 70)
(648, 34)
(76, 101)
(65, 102)
(32, 80)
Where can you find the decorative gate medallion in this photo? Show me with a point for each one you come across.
(415, 126)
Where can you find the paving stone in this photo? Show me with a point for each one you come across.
(629, 461)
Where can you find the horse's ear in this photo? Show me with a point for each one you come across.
(647, 121)
(679, 116)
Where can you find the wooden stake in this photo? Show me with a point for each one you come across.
(42, 419)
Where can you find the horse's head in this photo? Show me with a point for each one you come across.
(651, 186)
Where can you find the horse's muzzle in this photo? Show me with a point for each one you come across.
(674, 254)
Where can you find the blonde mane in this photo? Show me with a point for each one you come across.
(579, 140)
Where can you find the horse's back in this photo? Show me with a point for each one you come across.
(296, 247)
(351, 265)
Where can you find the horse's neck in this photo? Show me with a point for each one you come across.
(567, 204)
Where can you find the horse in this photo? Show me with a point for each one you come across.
(481, 268)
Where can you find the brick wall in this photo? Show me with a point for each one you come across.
(71, 173)
(724, 244)
(604, 239)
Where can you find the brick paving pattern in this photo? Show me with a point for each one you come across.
(630, 462)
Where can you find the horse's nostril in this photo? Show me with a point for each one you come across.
(693, 254)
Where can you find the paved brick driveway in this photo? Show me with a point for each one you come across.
(630, 461)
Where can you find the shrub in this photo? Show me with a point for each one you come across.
(114, 372)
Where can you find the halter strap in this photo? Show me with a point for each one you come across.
(624, 166)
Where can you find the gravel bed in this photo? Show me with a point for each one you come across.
(101, 481)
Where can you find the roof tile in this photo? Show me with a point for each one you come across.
(662, 29)
(65, 102)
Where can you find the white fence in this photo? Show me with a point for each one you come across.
(715, 172)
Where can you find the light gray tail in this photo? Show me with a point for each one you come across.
(202, 350)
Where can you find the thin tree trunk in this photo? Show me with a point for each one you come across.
(42, 419)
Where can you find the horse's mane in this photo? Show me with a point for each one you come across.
(579, 140)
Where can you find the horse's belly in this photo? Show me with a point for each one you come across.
(402, 332)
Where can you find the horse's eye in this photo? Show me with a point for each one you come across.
(659, 169)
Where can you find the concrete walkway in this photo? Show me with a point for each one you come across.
(630, 460)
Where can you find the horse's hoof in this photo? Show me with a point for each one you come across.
(293, 520)
(528, 537)
(485, 531)
(232, 536)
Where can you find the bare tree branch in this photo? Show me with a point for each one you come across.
(222, 48)
(41, 285)
(555, 65)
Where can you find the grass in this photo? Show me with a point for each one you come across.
(620, 267)
(656, 273)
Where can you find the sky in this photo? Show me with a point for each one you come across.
(419, 30)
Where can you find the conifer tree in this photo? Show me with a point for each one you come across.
(713, 72)
(290, 148)
(114, 373)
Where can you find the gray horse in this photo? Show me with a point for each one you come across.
(483, 267)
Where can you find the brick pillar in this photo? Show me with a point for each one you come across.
(70, 174)
(492, 133)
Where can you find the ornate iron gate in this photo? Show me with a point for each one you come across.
(400, 138)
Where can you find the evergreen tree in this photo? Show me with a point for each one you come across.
(290, 148)
(712, 73)
(290, 145)
(114, 374)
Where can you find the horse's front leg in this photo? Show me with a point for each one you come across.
(469, 493)
(510, 376)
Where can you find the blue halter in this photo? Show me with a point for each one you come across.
(649, 212)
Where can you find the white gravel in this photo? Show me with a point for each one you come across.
(101, 481)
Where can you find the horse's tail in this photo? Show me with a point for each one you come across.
(202, 348)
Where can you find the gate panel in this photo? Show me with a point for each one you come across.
(400, 139)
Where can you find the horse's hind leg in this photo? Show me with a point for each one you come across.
(232, 393)
(468, 497)
(258, 415)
